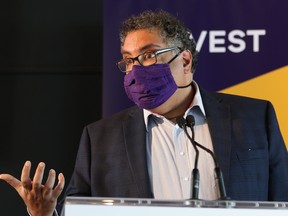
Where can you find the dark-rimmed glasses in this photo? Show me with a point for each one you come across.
(145, 59)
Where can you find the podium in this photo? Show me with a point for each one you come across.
(97, 206)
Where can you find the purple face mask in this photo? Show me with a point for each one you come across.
(150, 86)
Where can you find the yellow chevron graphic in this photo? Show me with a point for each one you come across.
(272, 86)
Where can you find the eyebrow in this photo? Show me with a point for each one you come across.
(148, 46)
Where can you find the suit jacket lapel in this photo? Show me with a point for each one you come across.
(219, 122)
(135, 141)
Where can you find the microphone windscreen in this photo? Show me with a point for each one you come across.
(181, 121)
(190, 120)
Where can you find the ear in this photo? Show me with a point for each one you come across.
(187, 61)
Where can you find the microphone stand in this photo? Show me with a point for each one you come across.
(195, 172)
(219, 176)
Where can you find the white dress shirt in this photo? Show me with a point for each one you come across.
(171, 155)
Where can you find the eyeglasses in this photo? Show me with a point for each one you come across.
(145, 59)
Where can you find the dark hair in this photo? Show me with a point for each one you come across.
(171, 29)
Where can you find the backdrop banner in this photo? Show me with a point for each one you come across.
(243, 48)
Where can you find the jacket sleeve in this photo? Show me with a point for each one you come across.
(278, 159)
(79, 184)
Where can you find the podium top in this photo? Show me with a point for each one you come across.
(175, 203)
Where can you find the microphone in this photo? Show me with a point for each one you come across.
(190, 120)
(195, 172)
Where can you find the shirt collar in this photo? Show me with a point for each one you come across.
(197, 101)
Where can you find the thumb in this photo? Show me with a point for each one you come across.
(14, 182)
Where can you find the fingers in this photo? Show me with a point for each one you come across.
(36, 186)
(25, 175)
(37, 180)
(51, 179)
(25, 179)
(60, 186)
(48, 187)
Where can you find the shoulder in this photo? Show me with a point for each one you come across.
(238, 106)
(111, 129)
(118, 118)
(233, 100)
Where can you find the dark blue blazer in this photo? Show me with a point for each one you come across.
(111, 160)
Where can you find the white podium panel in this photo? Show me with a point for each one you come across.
(76, 206)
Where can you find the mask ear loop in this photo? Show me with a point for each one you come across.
(190, 84)
(175, 58)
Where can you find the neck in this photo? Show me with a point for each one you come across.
(182, 106)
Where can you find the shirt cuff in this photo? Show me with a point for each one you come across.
(55, 213)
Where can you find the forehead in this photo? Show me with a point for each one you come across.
(142, 39)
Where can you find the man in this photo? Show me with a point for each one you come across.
(142, 152)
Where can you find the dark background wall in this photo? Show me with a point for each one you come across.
(50, 85)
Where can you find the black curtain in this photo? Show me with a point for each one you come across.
(50, 85)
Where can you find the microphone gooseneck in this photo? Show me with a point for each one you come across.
(195, 172)
(219, 176)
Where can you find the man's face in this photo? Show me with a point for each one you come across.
(143, 40)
